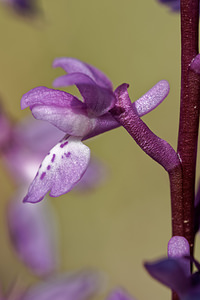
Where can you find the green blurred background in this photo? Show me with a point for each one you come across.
(126, 220)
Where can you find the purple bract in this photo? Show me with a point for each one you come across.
(174, 271)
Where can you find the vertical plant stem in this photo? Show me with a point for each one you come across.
(189, 111)
(177, 206)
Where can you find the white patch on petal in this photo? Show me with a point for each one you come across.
(73, 122)
(61, 169)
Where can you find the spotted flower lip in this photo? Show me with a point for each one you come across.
(61, 169)
(66, 163)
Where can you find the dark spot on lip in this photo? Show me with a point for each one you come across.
(42, 176)
(53, 158)
(67, 154)
(64, 144)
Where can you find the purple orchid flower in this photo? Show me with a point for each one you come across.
(23, 7)
(80, 286)
(119, 294)
(174, 271)
(66, 163)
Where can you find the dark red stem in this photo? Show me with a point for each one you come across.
(189, 113)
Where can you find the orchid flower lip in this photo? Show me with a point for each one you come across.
(68, 159)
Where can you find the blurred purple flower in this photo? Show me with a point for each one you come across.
(65, 287)
(23, 7)
(197, 210)
(33, 230)
(33, 233)
(81, 286)
(119, 294)
(72, 286)
(173, 4)
(65, 164)
(174, 271)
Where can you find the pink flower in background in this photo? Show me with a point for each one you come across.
(69, 286)
(80, 286)
(33, 230)
(34, 235)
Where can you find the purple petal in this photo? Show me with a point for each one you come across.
(72, 65)
(152, 98)
(71, 287)
(119, 294)
(61, 169)
(60, 109)
(178, 247)
(44, 96)
(170, 272)
(99, 100)
(143, 105)
(23, 7)
(173, 4)
(32, 230)
(193, 294)
(36, 136)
